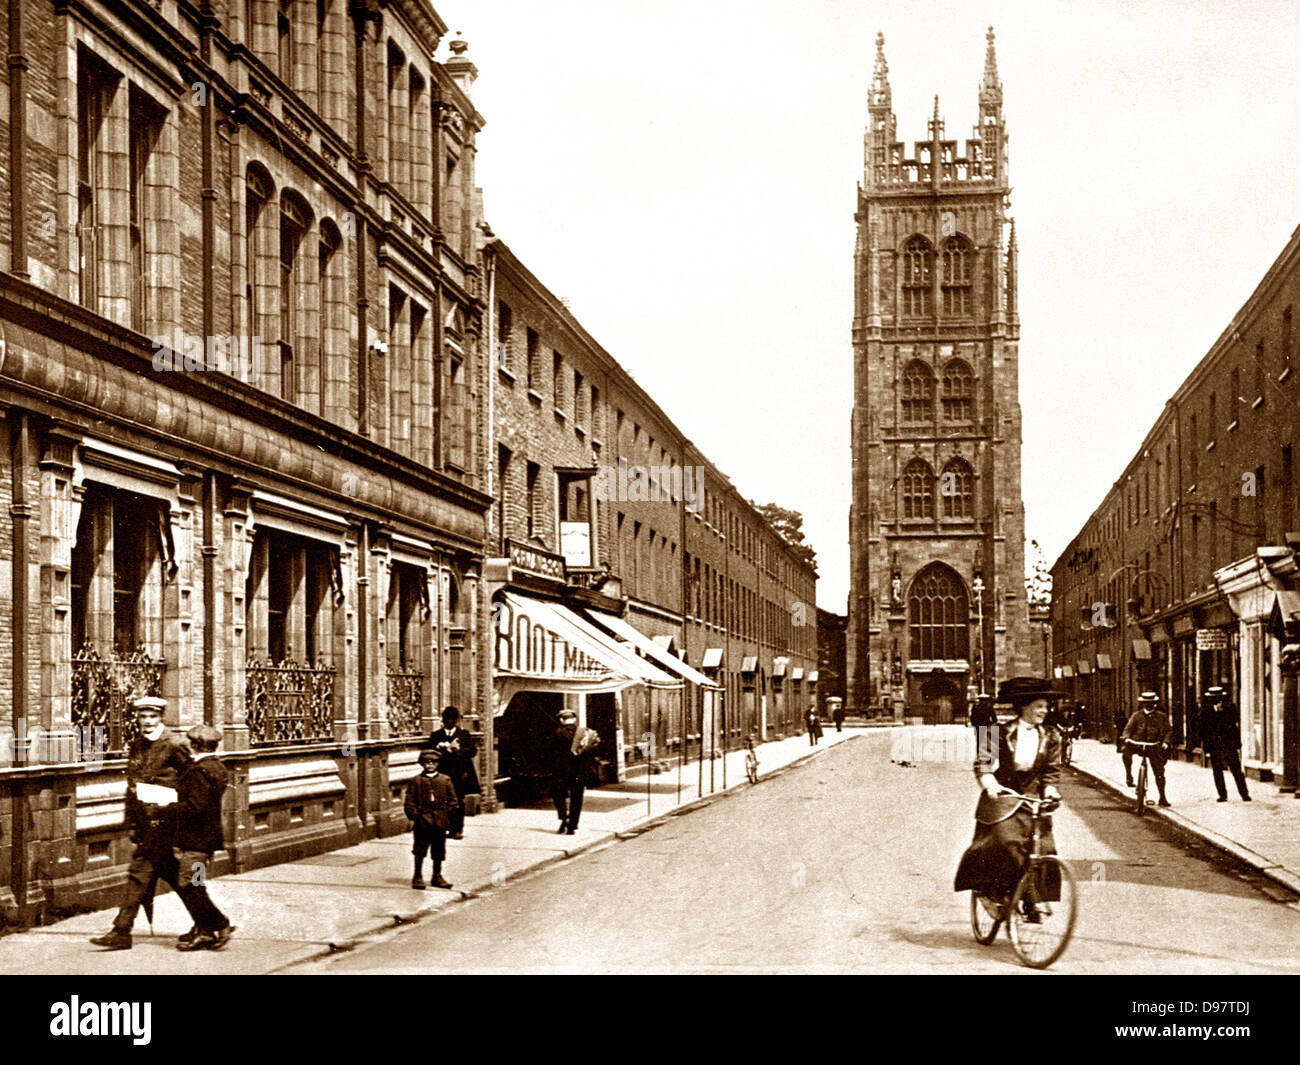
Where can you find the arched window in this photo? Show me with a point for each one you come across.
(258, 190)
(295, 218)
(958, 258)
(918, 393)
(938, 615)
(918, 490)
(918, 268)
(958, 392)
(957, 487)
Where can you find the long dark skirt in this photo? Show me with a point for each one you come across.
(997, 855)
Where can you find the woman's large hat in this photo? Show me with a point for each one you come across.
(1026, 689)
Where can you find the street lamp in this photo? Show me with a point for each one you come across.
(978, 585)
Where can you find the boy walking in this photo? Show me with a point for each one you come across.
(196, 836)
(430, 800)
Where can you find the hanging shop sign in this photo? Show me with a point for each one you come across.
(1211, 640)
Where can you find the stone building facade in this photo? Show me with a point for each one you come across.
(1185, 574)
(937, 603)
(242, 449)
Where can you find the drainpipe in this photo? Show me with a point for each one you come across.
(487, 644)
(21, 512)
(17, 145)
(361, 14)
(208, 205)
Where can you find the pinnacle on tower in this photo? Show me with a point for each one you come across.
(880, 96)
(990, 87)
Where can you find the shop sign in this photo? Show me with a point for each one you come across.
(539, 563)
(1211, 640)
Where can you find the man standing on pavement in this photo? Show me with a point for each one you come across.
(155, 762)
(457, 748)
(1222, 726)
(1149, 724)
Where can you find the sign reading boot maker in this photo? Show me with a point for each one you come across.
(1211, 639)
(527, 646)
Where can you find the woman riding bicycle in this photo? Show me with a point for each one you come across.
(1023, 757)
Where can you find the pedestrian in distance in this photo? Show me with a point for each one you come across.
(573, 754)
(458, 749)
(1222, 725)
(837, 715)
(1149, 724)
(1024, 760)
(1119, 719)
(751, 759)
(195, 822)
(430, 801)
(814, 723)
(155, 761)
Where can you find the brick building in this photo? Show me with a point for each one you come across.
(1184, 575)
(937, 605)
(243, 432)
(605, 509)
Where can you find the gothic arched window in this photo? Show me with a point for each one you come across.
(957, 487)
(918, 490)
(918, 268)
(958, 259)
(938, 615)
(918, 393)
(958, 392)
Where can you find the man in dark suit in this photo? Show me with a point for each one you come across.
(573, 751)
(1149, 724)
(1222, 725)
(195, 822)
(457, 749)
(156, 760)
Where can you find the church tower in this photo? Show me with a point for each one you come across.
(937, 604)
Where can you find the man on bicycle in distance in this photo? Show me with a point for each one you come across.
(1149, 724)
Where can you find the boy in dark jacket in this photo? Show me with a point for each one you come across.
(196, 835)
(430, 800)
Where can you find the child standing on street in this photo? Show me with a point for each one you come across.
(751, 759)
(430, 800)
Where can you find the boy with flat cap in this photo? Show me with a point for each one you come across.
(430, 800)
(195, 822)
(153, 769)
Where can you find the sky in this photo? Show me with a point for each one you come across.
(685, 174)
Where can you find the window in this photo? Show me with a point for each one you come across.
(918, 490)
(530, 343)
(1285, 490)
(596, 420)
(294, 220)
(918, 393)
(958, 256)
(503, 335)
(1212, 420)
(1192, 448)
(1286, 338)
(399, 114)
(579, 418)
(533, 475)
(1234, 396)
(457, 421)
(918, 260)
(330, 303)
(1259, 373)
(322, 21)
(145, 123)
(557, 380)
(95, 84)
(257, 194)
(957, 486)
(938, 615)
(958, 392)
(284, 38)
(291, 582)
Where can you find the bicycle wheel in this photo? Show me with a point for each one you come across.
(1142, 788)
(985, 917)
(1040, 939)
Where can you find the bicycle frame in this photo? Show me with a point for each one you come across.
(1143, 768)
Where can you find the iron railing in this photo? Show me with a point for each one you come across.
(287, 703)
(103, 688)
(405, 701)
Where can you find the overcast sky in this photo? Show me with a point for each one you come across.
(684, 173)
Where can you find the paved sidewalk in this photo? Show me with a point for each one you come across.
(287, 913)
(1264, 833)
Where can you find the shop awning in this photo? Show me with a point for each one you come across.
(749, 664)
(1103, 662)
(797, 674)
(712, 658)
(1067, 671)
(542, 646)
(1142, 650)
(666, 643)
(779, 666)
(812, 677)
(1287, 604)
(651, 647)
(1084, 667)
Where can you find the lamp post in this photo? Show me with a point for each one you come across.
(978, 585)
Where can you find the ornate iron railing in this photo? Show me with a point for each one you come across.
(287, 703)
(405, 700)
(103, 689)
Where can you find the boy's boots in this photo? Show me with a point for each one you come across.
(437, 880)
(417, 881)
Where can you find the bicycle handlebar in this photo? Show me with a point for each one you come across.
(1033, 800)
(1144, 743)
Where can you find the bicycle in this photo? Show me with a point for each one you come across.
(1068, 733)
(1039, 929)
(1142, 774)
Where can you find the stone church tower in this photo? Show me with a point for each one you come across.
(937, 605)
